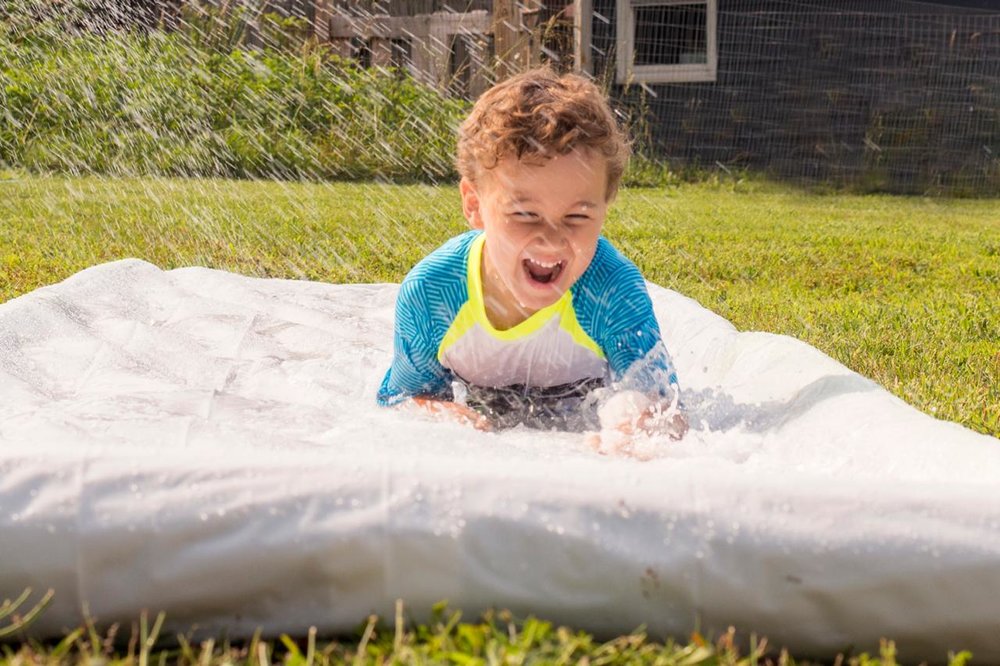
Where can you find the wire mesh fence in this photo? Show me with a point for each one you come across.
(883, 100)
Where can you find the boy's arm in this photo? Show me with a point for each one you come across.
(415, 369)
(416, 379)
(647, 398)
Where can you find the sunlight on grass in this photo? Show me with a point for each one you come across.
(495, 638)
(902, 290)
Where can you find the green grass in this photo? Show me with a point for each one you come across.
(495, 638)
(902, 290)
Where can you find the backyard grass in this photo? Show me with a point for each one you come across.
(905, 291)
(495, 638)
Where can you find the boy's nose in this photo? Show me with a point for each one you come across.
(553, 235)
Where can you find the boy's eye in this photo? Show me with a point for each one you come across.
(524, 216)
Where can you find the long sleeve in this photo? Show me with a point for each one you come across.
(615, 309)
(415, 369)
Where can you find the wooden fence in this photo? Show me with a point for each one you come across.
(459, 52)
(461, 47)
(450, 51)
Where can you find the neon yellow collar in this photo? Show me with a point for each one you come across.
(475, 284)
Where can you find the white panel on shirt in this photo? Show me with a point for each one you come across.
(547, 357)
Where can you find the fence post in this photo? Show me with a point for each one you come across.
(582, 38)
(321, 20)
(531, 38)
(418, 30)
(515, 36)
(504, 37)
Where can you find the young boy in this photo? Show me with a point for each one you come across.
(527, 317)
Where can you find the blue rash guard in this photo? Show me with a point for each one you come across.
(598, 331)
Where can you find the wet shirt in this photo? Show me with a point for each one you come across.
(596, 331)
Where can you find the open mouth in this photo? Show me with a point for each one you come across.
(543, 272)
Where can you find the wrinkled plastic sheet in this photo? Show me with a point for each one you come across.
(206, 444)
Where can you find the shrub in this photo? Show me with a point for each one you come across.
(156, 103)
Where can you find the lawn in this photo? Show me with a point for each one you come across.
(901, 290)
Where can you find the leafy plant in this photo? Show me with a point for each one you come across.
(186, 104)
(220, 26)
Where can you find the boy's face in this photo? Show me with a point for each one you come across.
(542, 222)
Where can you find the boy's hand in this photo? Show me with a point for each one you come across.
(662, 418)
(629, 414)
(633, 413)
(452, 410)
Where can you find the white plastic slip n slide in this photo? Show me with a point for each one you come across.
(208, 445)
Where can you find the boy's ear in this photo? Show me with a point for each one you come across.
(470, 203)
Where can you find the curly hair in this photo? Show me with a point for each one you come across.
(539, 114)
